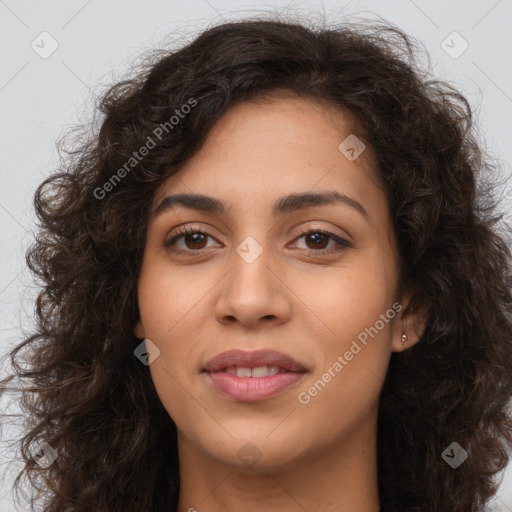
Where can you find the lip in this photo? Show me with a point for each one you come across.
(252, 359)
(250, 389)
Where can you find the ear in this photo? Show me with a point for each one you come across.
(139, 331)
(409, 321)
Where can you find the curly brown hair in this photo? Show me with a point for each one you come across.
(94, 402)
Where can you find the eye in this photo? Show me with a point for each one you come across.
(194, 240)
(316, 240)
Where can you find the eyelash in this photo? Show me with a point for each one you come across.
(342, 243)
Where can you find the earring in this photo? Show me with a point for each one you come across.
(404, 339)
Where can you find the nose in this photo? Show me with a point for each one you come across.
(254, 293)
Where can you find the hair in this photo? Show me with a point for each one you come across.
(93, 402)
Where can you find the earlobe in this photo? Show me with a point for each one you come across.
(409, 326)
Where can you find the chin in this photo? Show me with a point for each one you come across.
(254, 453)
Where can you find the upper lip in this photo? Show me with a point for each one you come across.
(252, 359)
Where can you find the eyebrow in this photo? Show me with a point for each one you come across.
(282, 206)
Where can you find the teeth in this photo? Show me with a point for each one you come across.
(259, 371)
(243, 372)
(265, 371)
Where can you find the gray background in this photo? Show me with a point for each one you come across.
(41, 97)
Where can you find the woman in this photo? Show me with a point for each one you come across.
(271, 282)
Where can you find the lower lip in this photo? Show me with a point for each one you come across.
(251, 389)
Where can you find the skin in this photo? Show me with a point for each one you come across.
(315, 456)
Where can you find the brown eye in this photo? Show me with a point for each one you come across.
(192, 241)
(319, 240)
(196, 240)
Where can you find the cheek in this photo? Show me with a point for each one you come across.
(355, 305)
(167, 314)
(172, 310)
(345, 387)
(165, 310)
(348, 300)
(167, 297)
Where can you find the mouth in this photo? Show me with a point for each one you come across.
(252, 376)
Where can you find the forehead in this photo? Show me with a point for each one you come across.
(262, 148)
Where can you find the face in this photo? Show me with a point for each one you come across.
(315, 280)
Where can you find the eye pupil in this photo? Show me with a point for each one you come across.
(317, 238)
(195, 241)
